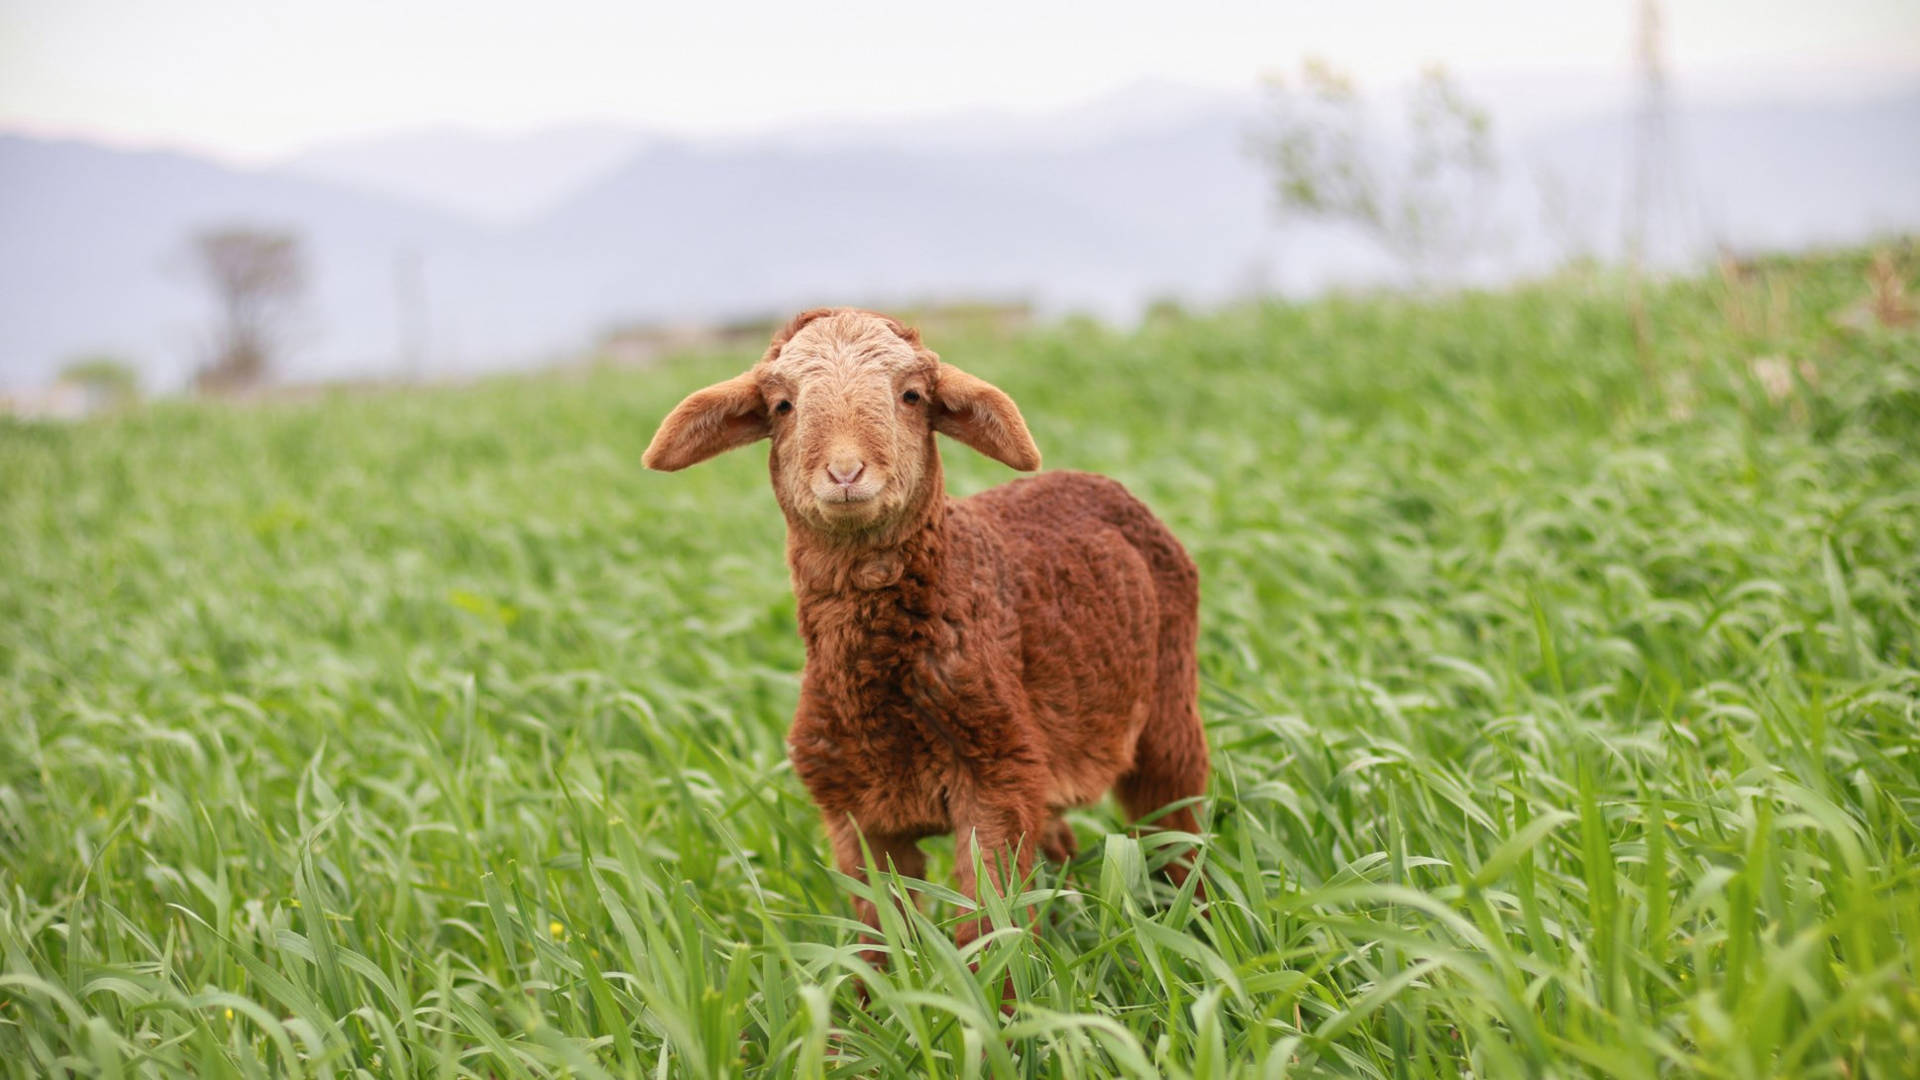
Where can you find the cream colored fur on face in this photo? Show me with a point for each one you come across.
(841, 388)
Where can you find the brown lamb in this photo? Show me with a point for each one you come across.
(974, 665)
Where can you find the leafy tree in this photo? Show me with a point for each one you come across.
(1419, 194)
(107, 381)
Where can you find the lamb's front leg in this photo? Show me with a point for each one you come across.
(1004, 832)
(902, 851)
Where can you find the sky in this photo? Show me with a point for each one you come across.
(259, 80)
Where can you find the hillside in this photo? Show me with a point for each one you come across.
(1111, 209)
(97, 258)
(1561, 697)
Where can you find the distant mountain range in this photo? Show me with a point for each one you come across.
(1102, 209)
(500, 179)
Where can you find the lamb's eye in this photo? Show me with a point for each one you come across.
(783, 408)
(911, 397)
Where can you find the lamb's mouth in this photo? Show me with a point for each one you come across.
(846, 497)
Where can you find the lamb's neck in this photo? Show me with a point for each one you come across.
(849, 592)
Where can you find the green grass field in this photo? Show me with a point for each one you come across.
(1564, 698)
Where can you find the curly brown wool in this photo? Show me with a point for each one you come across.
(976, 665)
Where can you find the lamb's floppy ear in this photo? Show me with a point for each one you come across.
(981, 415)
(721, 417)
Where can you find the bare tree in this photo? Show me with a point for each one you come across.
(257, 277)
(1421, 196)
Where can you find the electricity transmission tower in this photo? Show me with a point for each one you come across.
(410, 314)
(1660, 220)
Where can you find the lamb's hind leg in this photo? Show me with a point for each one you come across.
(1167, 769)
(1170, 759)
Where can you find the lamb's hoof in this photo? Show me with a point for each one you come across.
(1058, 843)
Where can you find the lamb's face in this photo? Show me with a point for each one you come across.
(849, 403)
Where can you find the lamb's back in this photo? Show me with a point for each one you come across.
(1036, 513)
(1081, 555)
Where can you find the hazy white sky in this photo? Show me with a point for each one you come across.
(254, 79)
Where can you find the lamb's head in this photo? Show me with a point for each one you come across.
(851, 401)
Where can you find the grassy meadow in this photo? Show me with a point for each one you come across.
(1564, 696)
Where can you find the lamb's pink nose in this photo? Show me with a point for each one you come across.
(846, 471)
